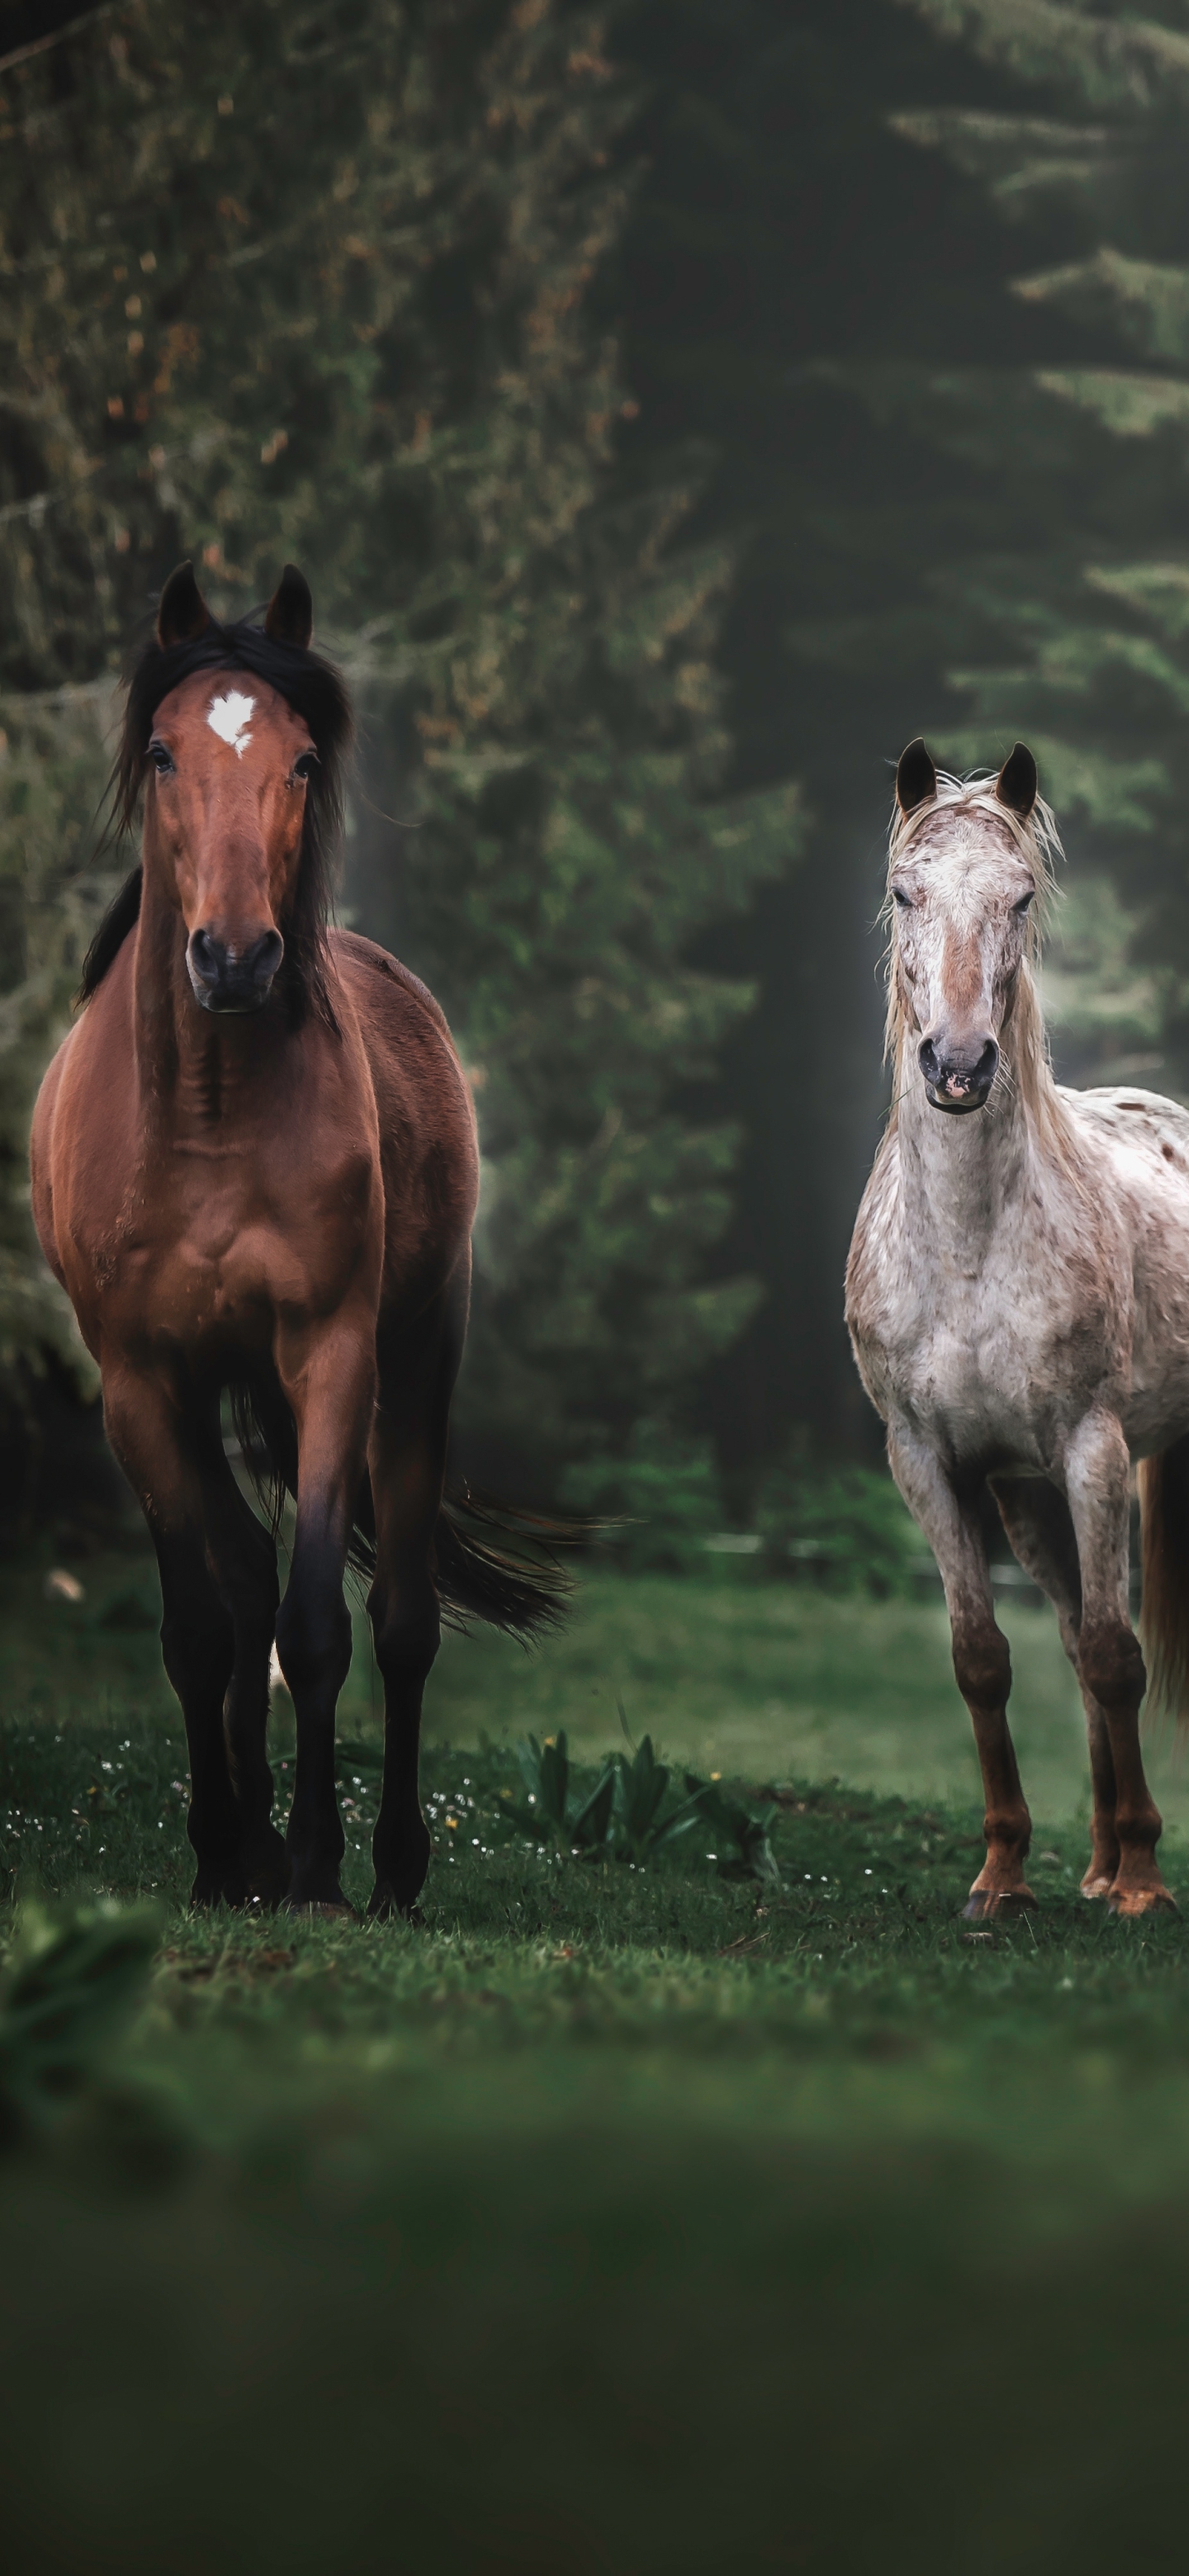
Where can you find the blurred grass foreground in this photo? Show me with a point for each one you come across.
(626, 2214)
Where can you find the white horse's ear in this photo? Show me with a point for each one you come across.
(182, 614)
(916, 777)
(289, 616)
(1017, 782)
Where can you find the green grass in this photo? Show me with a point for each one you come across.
(761, 1680)
(613, 2219)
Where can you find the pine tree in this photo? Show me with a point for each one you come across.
(1082, 635)
(289, 282)
(796, 279)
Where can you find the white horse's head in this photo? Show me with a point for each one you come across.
(967, 860)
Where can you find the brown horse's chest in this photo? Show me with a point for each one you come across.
(205, 1245)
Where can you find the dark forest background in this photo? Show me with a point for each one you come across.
(675, 407)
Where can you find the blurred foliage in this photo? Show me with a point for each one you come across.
(847, 1527)
(51, 776)
(1104, 1010)
(71, 1988)
(285, 284)
(657, 1501)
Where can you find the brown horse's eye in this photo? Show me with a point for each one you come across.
(304, 766)
(162, 759)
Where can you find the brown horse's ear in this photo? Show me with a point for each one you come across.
(1017, 782)
(183, 613)
(916, 777)
(289, 616)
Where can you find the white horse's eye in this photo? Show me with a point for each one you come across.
(1025, 902)
(903, 900)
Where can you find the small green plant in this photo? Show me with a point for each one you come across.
(642, 1824)
(633, 1812)
(741, 1833)
(548, 1812)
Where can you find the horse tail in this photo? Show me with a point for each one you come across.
(520, 1588)
(267, 1436)
(1164, 1618)
(518, 1585)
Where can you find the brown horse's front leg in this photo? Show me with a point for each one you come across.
(157, 1448)
(1110, 1665)
(244, 1558)
(407, 1458)
(329, 1379)
(982, 1665)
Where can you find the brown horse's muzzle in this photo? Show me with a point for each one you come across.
(233, 979)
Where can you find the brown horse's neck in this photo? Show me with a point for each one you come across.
(195, 1069)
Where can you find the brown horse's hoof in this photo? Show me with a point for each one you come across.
(265, 1873)
(384, 1906)
(204, 1893)
(322, 1909)
(984, 1903)
(1130, 1902)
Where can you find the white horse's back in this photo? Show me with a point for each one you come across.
(1139, 1143)
(1134, 1119)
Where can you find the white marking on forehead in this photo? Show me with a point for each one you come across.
(230, 717)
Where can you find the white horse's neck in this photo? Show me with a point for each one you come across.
(962, 1178)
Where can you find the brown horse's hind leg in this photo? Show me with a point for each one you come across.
(1038, 1523)
(407, 1460)
(157, 1451)
(329, 1378)
(982, 1664)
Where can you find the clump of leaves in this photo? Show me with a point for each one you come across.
(633, 1813)
(741, 1833)
(71, 1988)
(550, 1811)
(643, 1824)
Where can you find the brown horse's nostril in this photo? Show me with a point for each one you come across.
(230, 979)
(207, 957)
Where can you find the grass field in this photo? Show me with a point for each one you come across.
(614, 2219)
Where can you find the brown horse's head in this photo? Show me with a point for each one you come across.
(229, 767)
(236, 735)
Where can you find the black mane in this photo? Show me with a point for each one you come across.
(315, 691)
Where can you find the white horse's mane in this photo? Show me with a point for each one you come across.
(1025, 1063)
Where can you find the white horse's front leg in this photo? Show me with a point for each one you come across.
(982, 1663)
(1039, 1524)
(1110, 1665)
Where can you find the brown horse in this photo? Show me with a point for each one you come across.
(255, 1169)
